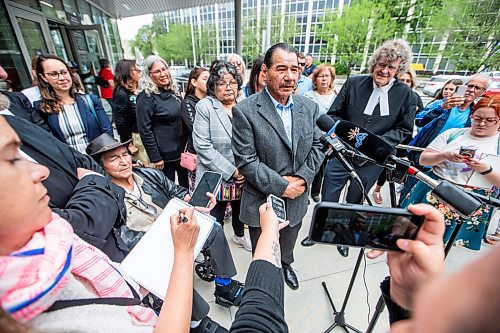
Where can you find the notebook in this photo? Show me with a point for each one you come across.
(151, 261)
(477, 179)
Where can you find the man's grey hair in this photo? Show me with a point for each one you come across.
(482, 76)
(147, 84)
(391, 51)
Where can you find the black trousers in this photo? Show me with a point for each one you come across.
(170, 168)
(288, 238)
(336, 177)
(219, 210)
(318, 180)
(221, 259)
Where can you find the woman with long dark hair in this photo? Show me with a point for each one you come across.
(74, 118)
(127, 75)
(257, 81)
(196, 90)
(159, 119)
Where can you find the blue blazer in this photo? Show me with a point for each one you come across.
(93, 127)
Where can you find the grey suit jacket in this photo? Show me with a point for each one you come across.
(212, 132)
(263, 153)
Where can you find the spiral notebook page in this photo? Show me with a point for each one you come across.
(150, 262)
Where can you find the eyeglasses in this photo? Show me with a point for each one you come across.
(474, 87)
(224, 84)
(324, 76)
(236, 63)
(488, 121)
(55, 75)
(159, 71)
(390, 67)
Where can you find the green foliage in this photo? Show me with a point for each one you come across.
(176, 44)
(144, 39)
(473, 33)
(341, 68)
(205, 44)
(352, 28)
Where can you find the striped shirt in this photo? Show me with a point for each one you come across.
(72, 127)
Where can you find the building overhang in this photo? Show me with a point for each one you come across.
(127, 8)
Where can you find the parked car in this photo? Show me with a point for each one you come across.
(494, 88)
(436, 83)
(493, 74)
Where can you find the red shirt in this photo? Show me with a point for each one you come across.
(106, 74)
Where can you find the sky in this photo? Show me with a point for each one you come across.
(129, 26)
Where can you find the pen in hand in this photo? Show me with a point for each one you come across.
(183, 218)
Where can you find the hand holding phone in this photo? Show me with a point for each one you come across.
(362, 226)
(209, 182)
(278, 206)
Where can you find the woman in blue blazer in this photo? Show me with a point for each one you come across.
(73, 117)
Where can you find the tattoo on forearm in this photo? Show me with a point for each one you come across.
(276, 253)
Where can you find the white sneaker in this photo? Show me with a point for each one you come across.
(243, 242)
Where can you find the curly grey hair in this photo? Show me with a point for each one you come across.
(392, 50)
(147, 84)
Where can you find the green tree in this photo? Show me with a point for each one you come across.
(205, 44)
(364, 24)
(472, 32)
(176, 44)
(145, 35)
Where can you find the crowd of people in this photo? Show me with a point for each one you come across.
(74, 200)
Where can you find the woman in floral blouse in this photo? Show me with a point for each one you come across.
(443, 154)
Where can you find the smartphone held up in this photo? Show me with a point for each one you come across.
(363, 226)
(209, 182)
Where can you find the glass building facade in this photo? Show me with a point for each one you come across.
(297, 22)
(75, 30)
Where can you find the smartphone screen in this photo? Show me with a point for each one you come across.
(278, 205)
(363, 226)
(209, 182)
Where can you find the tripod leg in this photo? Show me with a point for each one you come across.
(351, 328)
(331, 328)
(353, 278)
(452, 239)
(329, 297)
(378, 311)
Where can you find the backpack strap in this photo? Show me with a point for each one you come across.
(90, 104)
(120, 301)
(458, 132)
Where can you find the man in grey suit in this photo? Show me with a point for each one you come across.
(277, 149)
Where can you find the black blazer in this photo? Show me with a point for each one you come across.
(188, 112)
(94, 206)
(124, 113)
(20, 106)
(353, 97)
(160, 125)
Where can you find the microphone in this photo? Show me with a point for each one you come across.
(364, 141)
(378, 149)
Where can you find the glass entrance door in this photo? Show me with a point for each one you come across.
(32, 33)
(87, 42)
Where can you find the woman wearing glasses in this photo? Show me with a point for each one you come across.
(212, 135)
(159, 119)
(454, 112)
(449, 161)
(323, 94)
(74, 118)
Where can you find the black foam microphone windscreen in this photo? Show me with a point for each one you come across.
(364, 141)
(325, 123)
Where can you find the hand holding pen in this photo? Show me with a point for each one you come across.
(185, 231)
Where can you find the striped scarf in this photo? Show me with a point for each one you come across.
(32, 278)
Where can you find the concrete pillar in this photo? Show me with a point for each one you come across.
(237, 27)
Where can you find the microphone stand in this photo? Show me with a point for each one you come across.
(339, 316)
